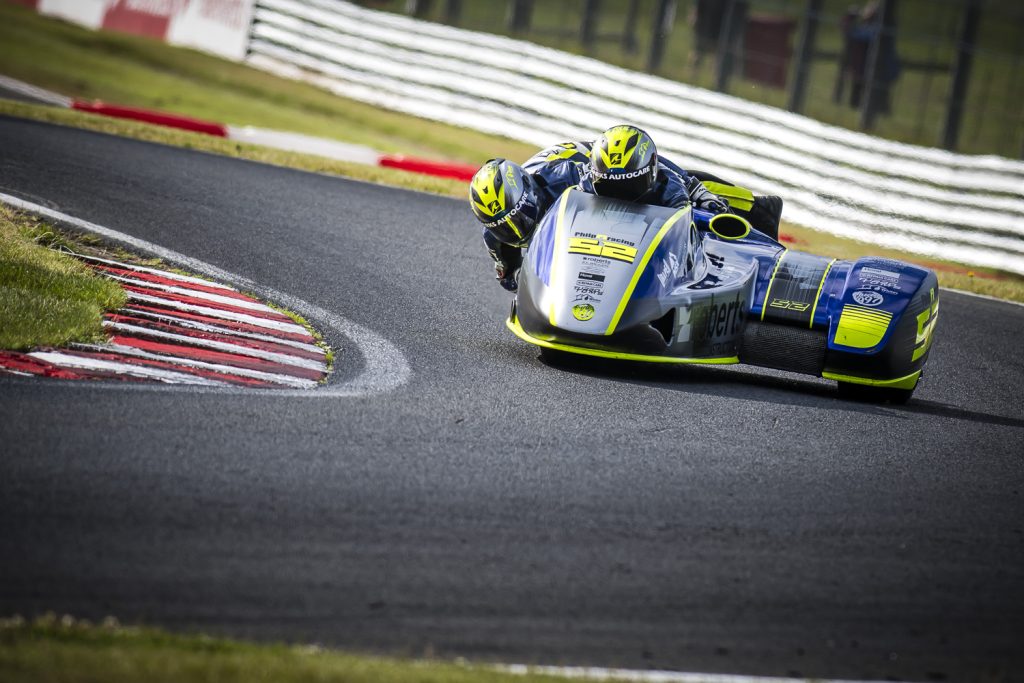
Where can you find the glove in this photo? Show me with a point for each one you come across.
(703, 198)
(508, 278)
(715, 206)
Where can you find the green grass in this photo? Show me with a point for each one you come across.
(47, 298)
(215, 145)
(55, 650)
(136, 71)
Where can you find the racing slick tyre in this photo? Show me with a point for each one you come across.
(561, 359)
(868, 394)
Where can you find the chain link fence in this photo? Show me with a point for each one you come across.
(940, 73)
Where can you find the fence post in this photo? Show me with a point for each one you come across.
(664, 18)
(629, 27)
(519, 15)
(453, 12)
(418, 8)
(588, 25)
(961, 74)
(733, 19)
(805, 53)
(876, 84)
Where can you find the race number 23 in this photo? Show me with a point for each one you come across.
(592, 247)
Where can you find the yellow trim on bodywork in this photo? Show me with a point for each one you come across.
(908, 382)
(767, 292)
(861, 327)
(926, 327)
(818, 295)
(556, 248)
(746, 224)
(737, 197)
(641, 268)
(518, 330)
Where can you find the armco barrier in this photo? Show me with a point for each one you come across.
(965, 208)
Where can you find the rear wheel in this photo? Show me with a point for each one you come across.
(869, 394)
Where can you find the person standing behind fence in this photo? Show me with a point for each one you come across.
(860, 34)
(706, 17)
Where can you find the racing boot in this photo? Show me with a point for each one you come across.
(765, 215)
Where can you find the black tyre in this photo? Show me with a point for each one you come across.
(868, 394)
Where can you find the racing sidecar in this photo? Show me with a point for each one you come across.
(627, 281)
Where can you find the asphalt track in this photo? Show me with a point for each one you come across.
(700, 519)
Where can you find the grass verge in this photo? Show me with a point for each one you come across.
(135, 71)
(57, 650)
(47, 298)
(215, 145)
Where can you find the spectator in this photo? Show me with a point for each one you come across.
(860, 35)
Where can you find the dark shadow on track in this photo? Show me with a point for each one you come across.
(744, 382)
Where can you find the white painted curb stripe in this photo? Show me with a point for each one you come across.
(283, 359)
(32, 91)
(384, 366)
(194, 294)
(217, 313)
(153, 271)
(602, 674)
(214, 329)
(287, 380)
(71, 361)
(305, 144)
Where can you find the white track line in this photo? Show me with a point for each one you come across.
(215, 329)
(286, 380)
(601, 674)
(384, 365)
(218, 313)
(282, 358)
(69, 361)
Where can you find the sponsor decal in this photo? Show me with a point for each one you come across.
(593, 277)
(584, 289)
(668, 269)
(868, 274)
(868, 298)
(603, 238)
(587, 297)
(515, 210)
(583, 312)
(621, 176)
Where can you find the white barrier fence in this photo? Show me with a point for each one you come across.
(964, 208)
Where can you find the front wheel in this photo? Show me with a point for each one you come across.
(869, 394)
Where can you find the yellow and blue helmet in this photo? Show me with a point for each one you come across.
(623, 163)
(504, 199)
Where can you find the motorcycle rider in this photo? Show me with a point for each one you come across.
(622, 163)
